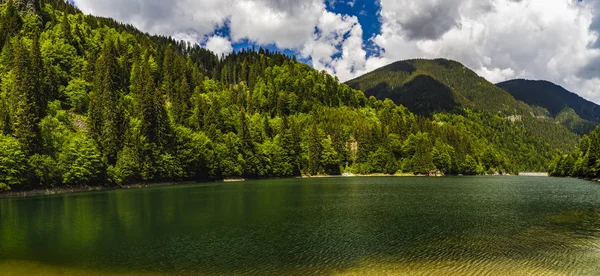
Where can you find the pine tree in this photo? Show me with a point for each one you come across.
(290, 155)
(10, 22)
(167, 73)
(180, 100)
(106, 117)
(244, 132)
(40, 94)
(314, 150)
(66, 30)
(26, 116)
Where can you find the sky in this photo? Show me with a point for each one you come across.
(554, 40)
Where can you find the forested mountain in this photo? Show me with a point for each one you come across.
(88, 101)
(427, 87)
(573, 111)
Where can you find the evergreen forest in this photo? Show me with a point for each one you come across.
(88, 101)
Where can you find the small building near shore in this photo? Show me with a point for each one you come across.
(533, 174)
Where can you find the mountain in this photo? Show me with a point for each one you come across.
(440, 85)
(427, 87)
(569, 108)
(552, 97)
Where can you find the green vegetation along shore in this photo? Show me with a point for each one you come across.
(583, 162)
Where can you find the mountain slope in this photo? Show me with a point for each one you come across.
(427, 87)
(449, 83)
(567, 107)
(552, 97)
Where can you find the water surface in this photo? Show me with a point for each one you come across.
(346, 226)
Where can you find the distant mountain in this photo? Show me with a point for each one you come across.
(569, 109)
(552, 97)
(427, 87)
(440, 85)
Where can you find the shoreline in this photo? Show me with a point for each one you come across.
(87, 189)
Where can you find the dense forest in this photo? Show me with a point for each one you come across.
(583, 163)
(86, 100)
(440, 85)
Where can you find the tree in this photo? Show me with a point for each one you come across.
(417, 148)
(10, 22)
(106, 116)
(24, 96)
(78, 97)
(40, 96)
(315, 149)
(45, 171)
(330, 159)
(469, 166)
(80, 162)
(383, 160)
(13, 163)
(442, 156)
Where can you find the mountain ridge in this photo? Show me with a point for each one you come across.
(535, 92)
(468, 89)
(571, 110)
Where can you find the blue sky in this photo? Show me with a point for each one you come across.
(555, 40)
(365, 11)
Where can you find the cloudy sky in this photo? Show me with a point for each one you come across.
(555, 40)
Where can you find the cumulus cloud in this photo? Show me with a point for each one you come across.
(499, 39)
(556, 40)
(288, 24)
(219, 45)
(285, 23)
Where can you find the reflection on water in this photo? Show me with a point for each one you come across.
(348, 226)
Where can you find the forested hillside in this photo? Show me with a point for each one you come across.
(427, 87)
(571, 110)
(88, 101)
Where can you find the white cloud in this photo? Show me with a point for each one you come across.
(219, 45)
(499, 39)
(288, 24)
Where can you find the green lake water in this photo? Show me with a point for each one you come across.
(330, 226)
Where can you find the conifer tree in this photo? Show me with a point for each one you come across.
(66, 30)
(10, 22)
(36, 72)
(106, 117)
(314, 150)
(26, 116)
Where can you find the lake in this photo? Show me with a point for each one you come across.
(326, 226)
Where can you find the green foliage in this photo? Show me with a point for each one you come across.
(383, 159)
(584, 162)
(569, 118)
(418, 146)
(77, 93)
(13, 163)
(80, 162)
(442, 155)
(45, 171)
